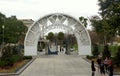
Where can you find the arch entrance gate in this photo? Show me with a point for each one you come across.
(57, 21)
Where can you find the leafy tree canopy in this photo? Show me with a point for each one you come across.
(13, 30)
(83, 21)
(60, 36)
(50, 36)
(107, 25)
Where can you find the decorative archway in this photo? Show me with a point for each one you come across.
(53, 21)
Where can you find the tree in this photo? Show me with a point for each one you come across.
(2, 22)
(107, 25)
(110, 13)
(50, 36)
(83, 21)
(103, 29)
(96, 22)
(14, 30)
(94, 37)
(60, 36)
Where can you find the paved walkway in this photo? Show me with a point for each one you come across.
(58, 65)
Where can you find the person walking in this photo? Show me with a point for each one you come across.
(99, 62)
(60, 48)
(111, 70)
(109, 62)
(110, 66)
(106, 64)
(93, 68)
(102, 69)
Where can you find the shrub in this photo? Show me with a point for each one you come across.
(2, 63)
(95, 51)
(117, 57)
(106, 52)
(27, 57)
(14, 59)
(9, 61)
(90, 57)
(14, 50)
(6, 52)
(8, 57)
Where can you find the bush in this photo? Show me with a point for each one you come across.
(6, 52)
(14, 50)
(117, 57)
(15, 58)
(3, 63)
(9, 61)
(27, 57)
(106, 52)
(90, 57)
(8, 57)
(95, 51)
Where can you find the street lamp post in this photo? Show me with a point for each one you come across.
(2, 46)
(3, 33)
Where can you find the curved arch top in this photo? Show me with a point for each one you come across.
(57, 21)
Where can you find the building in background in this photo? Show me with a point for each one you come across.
(27, 22)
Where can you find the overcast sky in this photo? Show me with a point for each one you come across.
(34, 9)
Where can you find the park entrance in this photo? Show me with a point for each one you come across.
(57, 21)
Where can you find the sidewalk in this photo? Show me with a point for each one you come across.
(58, 65)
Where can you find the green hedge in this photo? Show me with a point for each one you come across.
(3, 63)
(27, 57)
(90, 57)
(9, 61)
(112, 48)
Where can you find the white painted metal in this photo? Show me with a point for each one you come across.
(57, 21)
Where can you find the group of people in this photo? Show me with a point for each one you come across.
(104, 66)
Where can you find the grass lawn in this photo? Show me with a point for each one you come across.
(14, 68)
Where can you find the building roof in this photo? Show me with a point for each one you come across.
(27, 22)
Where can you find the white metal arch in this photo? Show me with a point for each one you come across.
(54, 21)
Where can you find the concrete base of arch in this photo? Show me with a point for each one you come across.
(84, 50)
(32, 51)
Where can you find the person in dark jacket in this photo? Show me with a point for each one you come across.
(111, 70)
(93, 68)
(102, 68)
(99, 62)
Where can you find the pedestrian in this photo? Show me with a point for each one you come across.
(60, 48)
(102, 68)
(110, 66)
(99, 62)
(109, 62)
(93, 68)
(106, 64)
(111, 70)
